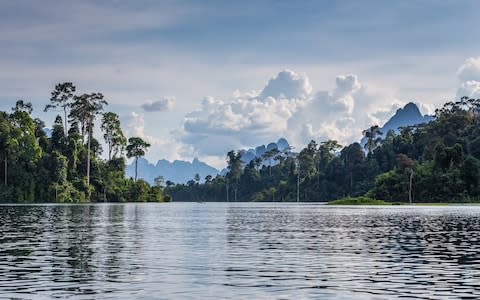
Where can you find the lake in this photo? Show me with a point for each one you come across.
(238, 251)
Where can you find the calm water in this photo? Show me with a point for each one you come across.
(239, 251)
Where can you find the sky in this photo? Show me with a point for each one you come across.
(200, 78)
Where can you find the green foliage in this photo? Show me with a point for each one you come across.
(37, 168)
(136, 148)
(358, 201)
(437, 161)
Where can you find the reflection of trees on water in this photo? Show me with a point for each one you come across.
(358, 249)
(63, 244)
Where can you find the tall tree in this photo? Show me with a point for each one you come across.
(234, 166)
(62, 97)
(21, 105)
(405, 164)
(58, 139)
(136, 148)
(373, 138)
(113, 134)
(5, 142)
(85, 109)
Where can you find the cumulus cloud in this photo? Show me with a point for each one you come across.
(287, 108)
(164, 104)
(470, 89)
(241, 122)
(160, 148)
(342, 113)
(469, 76)
(469, 70)
(287, 84)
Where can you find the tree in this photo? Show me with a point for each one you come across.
(21, 105)
(269, 155)
(208, 178)
(62, 96)
(113, 134)
(58, 139)
(306, 160)
(136, 148)
(234, 166)
(197, 178)
(85, 108)
(470, 173)
(373, 139)
(159, 180)
(352, 156)
(405, 164)
(6, 142)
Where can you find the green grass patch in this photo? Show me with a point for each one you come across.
(358, 201)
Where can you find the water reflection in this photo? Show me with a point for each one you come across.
(232, 251)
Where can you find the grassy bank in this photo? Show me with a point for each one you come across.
(358, 201)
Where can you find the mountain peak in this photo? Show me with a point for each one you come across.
(177, 171)
(406, 116)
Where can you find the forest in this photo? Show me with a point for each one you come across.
(436, 161)
(65, 165)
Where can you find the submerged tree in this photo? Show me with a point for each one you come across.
(136, 148)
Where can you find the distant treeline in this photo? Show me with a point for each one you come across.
(65, 165)
(436, 161)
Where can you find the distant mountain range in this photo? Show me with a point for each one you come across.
(177, 171)
(250, 154)
(182, 171)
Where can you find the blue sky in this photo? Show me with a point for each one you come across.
(157, 61)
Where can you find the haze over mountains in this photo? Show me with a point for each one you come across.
(408, 115)
(182, 171)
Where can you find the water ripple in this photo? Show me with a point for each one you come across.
(239, 251)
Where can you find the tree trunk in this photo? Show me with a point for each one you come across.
(226, 188)
(6, 169)
(410, 183)
(136, 168)
(270, 167)
(351, 182)
(298, 187)
(66, 123)
(88, 157)
(88, 153)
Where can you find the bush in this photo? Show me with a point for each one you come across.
(362, 200)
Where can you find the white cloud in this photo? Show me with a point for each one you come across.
(469, 70)
(164, 104)
(469, 76)
(342, 113)
(287, 84)
(470, 89)
(245, 121)
(167, 148)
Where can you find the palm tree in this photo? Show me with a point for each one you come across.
(136, 148)
(373, 138)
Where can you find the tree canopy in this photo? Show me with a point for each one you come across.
(67, 165)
